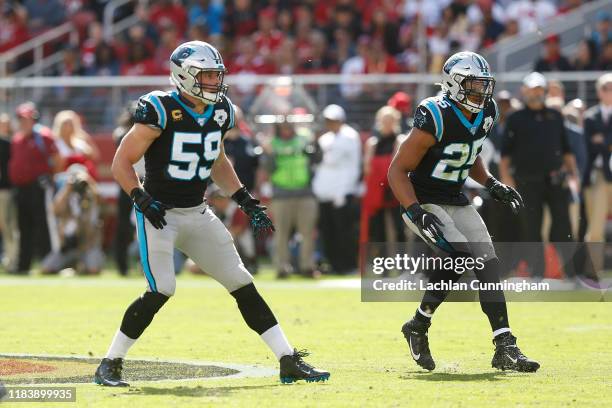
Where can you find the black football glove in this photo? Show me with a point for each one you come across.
(260, 221)
(154, 210)
(505, 194)
(427, 223)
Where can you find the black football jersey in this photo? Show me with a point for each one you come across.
(439, 177)
(178, 163)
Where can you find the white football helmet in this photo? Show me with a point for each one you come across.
(467, 80)
(191, 58)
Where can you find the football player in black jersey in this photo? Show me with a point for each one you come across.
(180, 135)
(427, 175)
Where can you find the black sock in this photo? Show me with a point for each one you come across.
(434, 298)
(140, 313)
(492, 302)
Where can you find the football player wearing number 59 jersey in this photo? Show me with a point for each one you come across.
(427, 175)
(180, 134)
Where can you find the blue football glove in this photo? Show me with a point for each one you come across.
(260, 221)
(505, 194)
(154, 210)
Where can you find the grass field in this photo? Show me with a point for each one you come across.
(360, 343)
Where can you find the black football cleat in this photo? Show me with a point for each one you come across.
(509, 357)
(109, 373)
(415, 333)
(293, 368)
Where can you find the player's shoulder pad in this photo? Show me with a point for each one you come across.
(428, 116)
(225, 113)
(151, 109)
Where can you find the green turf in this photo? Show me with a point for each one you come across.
(360, 343)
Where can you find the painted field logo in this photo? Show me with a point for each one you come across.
(27, 369)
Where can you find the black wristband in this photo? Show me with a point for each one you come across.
(242, 196)
(136, 193)
(414, 210)
(490, 182)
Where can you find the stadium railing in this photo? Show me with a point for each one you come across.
(100, 99)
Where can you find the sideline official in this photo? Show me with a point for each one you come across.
(537, 159)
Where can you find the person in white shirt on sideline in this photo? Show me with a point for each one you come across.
(335, 184)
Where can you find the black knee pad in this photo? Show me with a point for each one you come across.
(254, 309)
(140, 313)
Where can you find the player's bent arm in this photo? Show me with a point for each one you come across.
(224, 175)
(479, 171)
(407, 158)
(132, 148)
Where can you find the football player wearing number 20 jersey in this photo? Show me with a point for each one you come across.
(180, 134)
(427, 175)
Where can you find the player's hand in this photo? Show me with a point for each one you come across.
(505, 194)
(154, 210)
(427, 223)
(251, 206)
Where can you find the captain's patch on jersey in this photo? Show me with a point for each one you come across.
(220, 117)
(177, 114)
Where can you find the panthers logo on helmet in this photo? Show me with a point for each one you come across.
(450, 64)
(180, 55)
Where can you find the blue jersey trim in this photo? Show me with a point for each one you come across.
(437, 115)
(144, 251)
(159, 109)
(206, 115)
(472, 127)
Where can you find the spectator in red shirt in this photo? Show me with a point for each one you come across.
(267, 39)
(139, 62)
(165, 12)
(379, 61)
(89, 46)
(169, 40)
(245, 66)
(552, 59)
(34, 160)
(13, 30)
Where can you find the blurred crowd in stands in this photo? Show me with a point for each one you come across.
(297, 37)
(324, 182)
(323, 175)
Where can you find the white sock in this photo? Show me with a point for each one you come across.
(120, 345)
(277, 342)
(500, 331)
